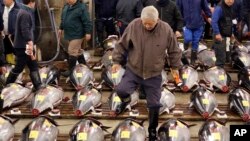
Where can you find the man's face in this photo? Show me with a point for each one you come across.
(229, 2)
(8, 2)
(70, 2)
(149, 24)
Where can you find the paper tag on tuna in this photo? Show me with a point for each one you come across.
(2, 121)
(125, 135)
(14, 85)
(172, 133)
(216, 136)
(44, 75)
(78, 75)
(214, 58)
(109, 43)
(184, 75)
(114, 75)
(2, 96)
(221, 77)
(205, 101)
(6, 75)
(33, 134)
(82, 97)
(40, 98)
(47, 123)
(110, 57)
(82, 136)
(117, 99)
(245, 103)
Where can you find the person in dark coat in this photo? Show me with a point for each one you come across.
(223, 20)
(246, 12)
(126, 11)
(105, 18)
(2, 56)
(76, 25)
(193, 23)
(24, 46)
(145, 41)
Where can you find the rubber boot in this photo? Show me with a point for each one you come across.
(72, 64)
(153, 123)
(36, 80)
(228, 57)
(11, 77)
(81, 59)
(193, 57)
(121, 108)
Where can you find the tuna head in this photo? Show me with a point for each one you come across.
(14, 94)
(174, 130)
(107, 60)
(204, 102)
(81, 76)
(240, 59)
(114, 101)
(207, 58)
(218, 77)
(212, 130)
(46, 98)
(40, 129)
(84, 101)
(129, 130)
(112, 79)
(239, 101)
(87, 130)
(4, 76)
(189, 78)
(244, 77)
(167, 101)
(49, 75)
(7, 129)
(109, 43)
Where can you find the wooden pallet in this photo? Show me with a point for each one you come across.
(67, 112)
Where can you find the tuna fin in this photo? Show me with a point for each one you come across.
(49, 119)
(188, 125)
(191, 104)
(231, 105)
(222, 122)
(67, 80)
(105, 128)
(13, 121)
(219, 111)
(167, 110)
(129, 107)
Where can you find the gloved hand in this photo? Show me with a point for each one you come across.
(176, 76)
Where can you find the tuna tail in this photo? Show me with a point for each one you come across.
(49, 119)
(12, 121)
(222, 122)
(188, 125)
(105, 128)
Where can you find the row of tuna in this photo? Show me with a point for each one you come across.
(44, 128)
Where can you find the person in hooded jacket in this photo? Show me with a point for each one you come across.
(223, 20)
(246, 12)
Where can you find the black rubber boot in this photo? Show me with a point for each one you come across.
(11, 77)
(81, 59)
(153, 123)
(72, 63)
(36, 80)
(193, 57)
(121, 108)
(186, 45)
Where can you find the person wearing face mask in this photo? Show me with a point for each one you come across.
(223, 20)
(169, 12)
(145, 41)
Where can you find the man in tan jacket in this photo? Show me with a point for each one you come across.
(145, 43)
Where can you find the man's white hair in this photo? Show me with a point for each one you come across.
(150, 12)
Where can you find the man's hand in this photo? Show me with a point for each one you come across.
(176, 76)
(177, 34)
(218, 37)
(87, 37)
(115, 68)
(3, 70)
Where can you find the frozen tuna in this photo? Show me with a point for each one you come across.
(49, 75)
(167, 101)
(189, 78)
(7, 129)
(207, 58)
(112, 79)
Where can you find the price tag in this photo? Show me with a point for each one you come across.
(214, 59)
(82, 136)
(33, 134)
(125, 135)
(2, 121)
(117, 99)
(78, 75)
(2, 96)
(43, 75)
(205, 101)
(172, 133)
(216, 136)
(109, 43)
(221, 77)
(110, 57)
(245, 103)
(114, 75)
(14, 86)
(40, 98)
(184, 75)
(47, 123)
(82, 97)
